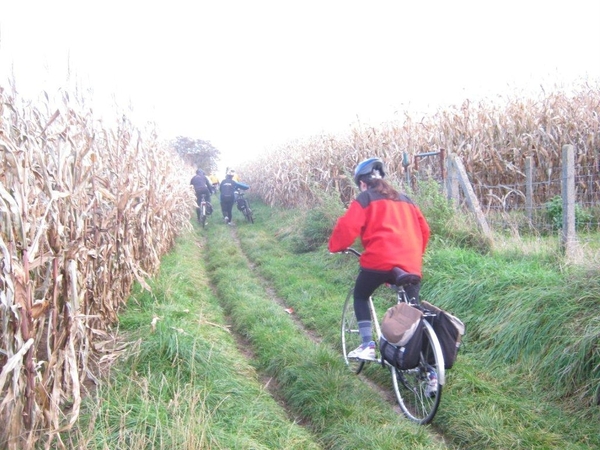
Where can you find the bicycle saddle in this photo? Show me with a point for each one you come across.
(402, 277)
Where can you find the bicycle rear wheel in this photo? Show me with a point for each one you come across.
(203, 214)
(350, 334)
(416, 396)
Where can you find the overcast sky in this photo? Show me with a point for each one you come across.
(253, 74)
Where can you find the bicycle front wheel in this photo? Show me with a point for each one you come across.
(350, 334)
(249, 215)
(419, 390)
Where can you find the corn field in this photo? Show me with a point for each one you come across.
(493, 140)
(85, 211)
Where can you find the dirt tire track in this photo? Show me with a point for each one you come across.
(386, 394)
(244, 346)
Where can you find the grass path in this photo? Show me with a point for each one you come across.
(312, 380)
(183, 383)
(216, 360)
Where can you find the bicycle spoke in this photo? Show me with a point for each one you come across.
(350, 334)
(414, 389)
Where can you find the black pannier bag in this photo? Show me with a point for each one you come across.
(403, 358)
(402, 336)
(449, 330)
(241, 204)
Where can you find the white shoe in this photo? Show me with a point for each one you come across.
(364, 351)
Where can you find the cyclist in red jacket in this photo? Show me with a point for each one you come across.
(393, 232)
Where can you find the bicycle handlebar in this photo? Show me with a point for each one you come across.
(349, 250)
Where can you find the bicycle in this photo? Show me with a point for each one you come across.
(414, 394)
(244, 206)
(202, 211)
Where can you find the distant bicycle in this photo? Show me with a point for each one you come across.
(417, 396)
(243, 205)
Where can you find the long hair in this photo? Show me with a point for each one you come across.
(382, 187)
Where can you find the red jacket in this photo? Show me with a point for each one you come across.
(394, 233)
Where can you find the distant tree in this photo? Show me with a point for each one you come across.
(200, 154)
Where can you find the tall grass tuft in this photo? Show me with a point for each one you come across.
(526, 312)
(316, 223)
(446, 222)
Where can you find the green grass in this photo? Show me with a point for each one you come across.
(527, 375)
(526, 312)
(528, 371)
(186, 385)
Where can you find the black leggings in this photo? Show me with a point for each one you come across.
(366, 283)
(227, 207)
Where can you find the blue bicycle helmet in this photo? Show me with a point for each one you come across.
(369, 168)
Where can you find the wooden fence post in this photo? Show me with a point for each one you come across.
(568, 235)
(405, 164)
(529, 189)
(470, 196)
(451, 184)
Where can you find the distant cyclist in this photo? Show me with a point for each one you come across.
(202, 186)
(393, 232)
(235, 177)
(214, 181)
(227, 188)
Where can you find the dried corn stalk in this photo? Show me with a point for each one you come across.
(493, 141)
(84, 212)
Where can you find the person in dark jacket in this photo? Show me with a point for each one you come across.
(393, 232)
(202, 186)
(227, 189)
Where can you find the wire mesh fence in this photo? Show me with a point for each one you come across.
(527, 208)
